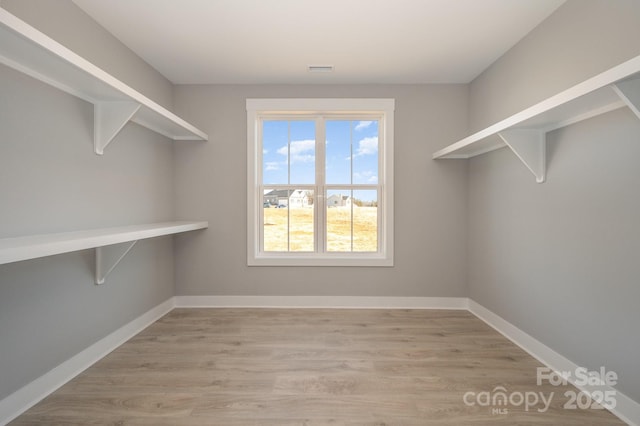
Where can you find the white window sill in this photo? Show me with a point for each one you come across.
(314, 260)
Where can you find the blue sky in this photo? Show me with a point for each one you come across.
(351, 152)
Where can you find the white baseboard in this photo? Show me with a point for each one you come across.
(626, 408)
(29, 395)
(340, 302)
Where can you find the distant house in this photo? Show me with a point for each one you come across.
(276, 197)
(281, 197)
(300, 198)
(339, 200)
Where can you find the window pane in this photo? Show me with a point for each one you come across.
(275, 135)
(288, 220)
(338, 151)
(338, 220)
(276, 220)
(302, 152)
(301, 220)
(365, 221)
(288, 152)
(352, 220)
(365, 152)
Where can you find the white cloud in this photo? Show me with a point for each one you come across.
(362, 125)
(365, 176)
(265, 151)
(301, 151)
(367, 146)
(271, 165)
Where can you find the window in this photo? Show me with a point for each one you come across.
(320, 182)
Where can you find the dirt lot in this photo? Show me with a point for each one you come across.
(365, 223)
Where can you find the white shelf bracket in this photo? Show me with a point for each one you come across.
(530, 147)
(108, 257)
(629, 92)
(108, 119)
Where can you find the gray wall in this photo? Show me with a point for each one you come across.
(560, 259)
(51, 181)
(430, 198)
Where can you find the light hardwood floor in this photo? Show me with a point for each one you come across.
(308, 367)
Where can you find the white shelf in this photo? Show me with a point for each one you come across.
(27, 50)
(35, 246)
(525, 131)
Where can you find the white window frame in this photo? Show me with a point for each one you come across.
(286, 108)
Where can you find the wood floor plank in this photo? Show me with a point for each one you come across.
(308, 367)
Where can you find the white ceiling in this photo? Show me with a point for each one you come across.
(274, 41)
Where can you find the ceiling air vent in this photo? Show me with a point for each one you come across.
(320, 68)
